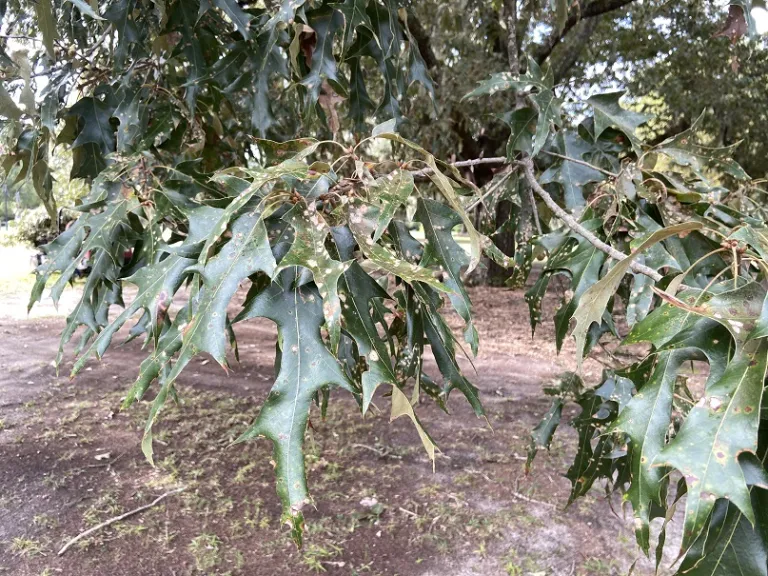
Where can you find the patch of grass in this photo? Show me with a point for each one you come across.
(105, 507)
(205, 551)
(26, 547)
(315, 556)
(598, 567)
(45, 521)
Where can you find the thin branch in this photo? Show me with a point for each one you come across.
(535, 210)
(465, 164)
(570, 221)
(492, 189)
(582, 162)
(106, 523)
(577, 13)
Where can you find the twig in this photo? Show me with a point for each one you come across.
(534, 209)
(582, 162)
(118, 518)
(408, 512)
(570, 221)
(492, 189)
(465, 164)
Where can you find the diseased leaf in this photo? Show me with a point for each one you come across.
(718, 429)
(306, 366)
(308, 250)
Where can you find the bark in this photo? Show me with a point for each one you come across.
(577, 13)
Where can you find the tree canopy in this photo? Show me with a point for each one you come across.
(350, 163)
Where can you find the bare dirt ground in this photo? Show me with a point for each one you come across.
(69, 460)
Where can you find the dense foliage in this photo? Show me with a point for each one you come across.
(191, 122)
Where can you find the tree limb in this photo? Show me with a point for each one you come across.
(570, 221)
(577, 13)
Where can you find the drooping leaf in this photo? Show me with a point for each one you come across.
(306, 366)
(439, 221)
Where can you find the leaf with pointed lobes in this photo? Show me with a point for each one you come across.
(246, 253)
(308, 250)
(718, 429)
(326, 22)
(389, 192)
(738, 309)
(306, 366)
(610, 114)
(593, 302)
(542, 434)
(645, 420)
(89, 233)
(441, 341)
(156, 284)
(439, 221)
(362, 223)
(360, 291)
(731, 545)
(293, 167)
(570, 175)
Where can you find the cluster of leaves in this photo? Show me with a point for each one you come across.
(651, 430)
(328, 258)
(193, 79)
(356, 261)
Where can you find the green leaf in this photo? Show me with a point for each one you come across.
(549, 117)
(610, 114)
(360, 291)
(306, 366)
(391, 192)
(246, 253)
(499, 82)
(362, 219)
(594, 301)
(46, 22)
(717, 430)
(439, 221)
(522, 123)
(326, 22)
(308, 250)
(645, 420)
(542, 434)
(236, 14)
(444, 184)
(156, 285)
(735, 546)
(571, 175)
(355, 15)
